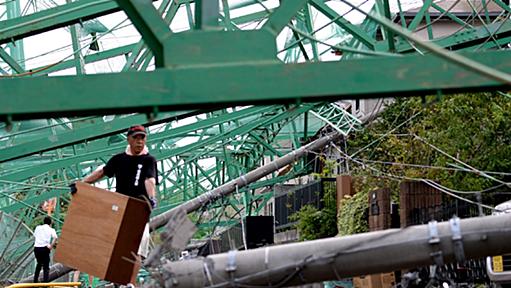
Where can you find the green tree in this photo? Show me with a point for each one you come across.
(473, 128)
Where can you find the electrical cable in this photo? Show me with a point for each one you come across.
(461, 162)
(40, 69)
(426, 181)
(387, 133)
(344, 48)
(431, 167)
(437, 18)
(320, 28)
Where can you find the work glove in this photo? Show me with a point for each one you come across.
(72, 188)
(153, 202)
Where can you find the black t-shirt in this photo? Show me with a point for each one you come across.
(131, 172)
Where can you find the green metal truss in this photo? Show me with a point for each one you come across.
(192, 78)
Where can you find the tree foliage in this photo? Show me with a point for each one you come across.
(471, 128)
(316, 223)
(313, 223)
(431, 138)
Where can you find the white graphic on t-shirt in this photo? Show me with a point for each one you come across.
(137, 177)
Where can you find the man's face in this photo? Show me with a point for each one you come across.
(136, 143)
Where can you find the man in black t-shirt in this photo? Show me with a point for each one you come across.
(135, 174)
(134, 169)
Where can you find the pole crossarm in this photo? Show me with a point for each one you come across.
(227, 85)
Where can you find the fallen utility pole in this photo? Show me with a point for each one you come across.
(58, 270)
(334, 258)
(252, 176)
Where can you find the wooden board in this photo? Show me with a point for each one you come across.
(101, 233)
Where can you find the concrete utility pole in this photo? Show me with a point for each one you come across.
(334, 258)
(57, 270)
(252, 176)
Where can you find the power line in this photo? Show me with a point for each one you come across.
(426, 181)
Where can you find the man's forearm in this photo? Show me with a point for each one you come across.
(150, 187)
(94, 176)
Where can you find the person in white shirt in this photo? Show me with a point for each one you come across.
(45, 238)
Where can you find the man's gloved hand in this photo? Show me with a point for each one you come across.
(153, 202)
(72, 188)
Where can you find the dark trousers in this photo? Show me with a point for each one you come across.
(42, 255)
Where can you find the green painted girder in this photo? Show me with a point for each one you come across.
(299, 171)
(11, 62)
(209, 172)
(337, 117)
(150, 25)
(256, 16)
(102, 151)
(95, 128)
(53, 18)
(420, 15)
(283, 15)
(34, 200)
(467, 38)
(197, 87)
(354, 30)
(233, 133)
(141, 48)
(46, 167)
(89, 58)
(242, 130)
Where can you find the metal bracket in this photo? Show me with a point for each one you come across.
(434, 240)
(457, 239)
(231, 261)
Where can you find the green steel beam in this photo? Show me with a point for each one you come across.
(79, 64)
(223, 48)
(16, 48)
(467, 38)
(354, 30)
(418, 17)
(154, 138)
(443, 11)
(95, 129)
(388, 34)
(53, 18)
(90, 58)
(206, 14)
(310, 29)
(257, 16)
(227, 85)
(141, 46)
(11, 62)
(32, 202)
(150, 25)
(283, 15)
